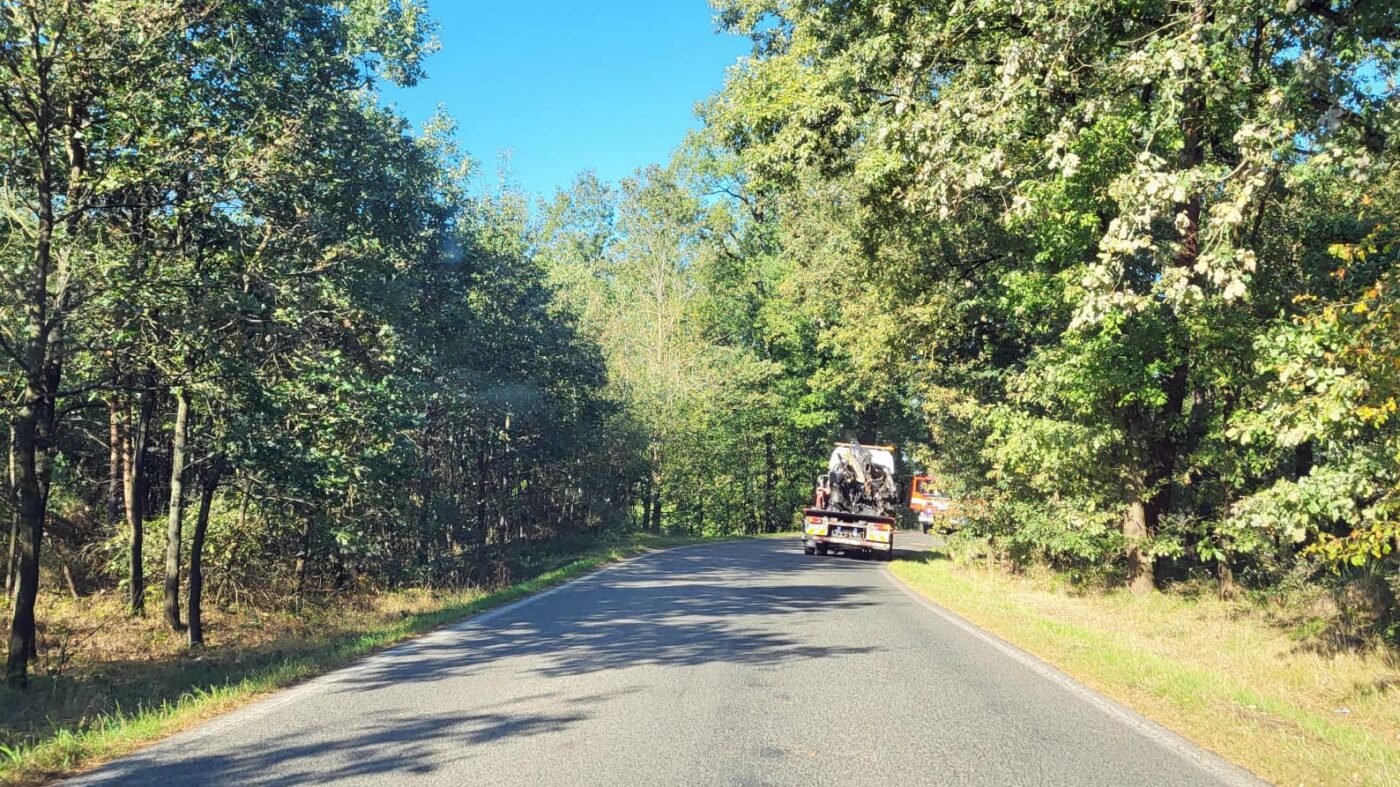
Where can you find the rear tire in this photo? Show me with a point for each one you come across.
(809, 550)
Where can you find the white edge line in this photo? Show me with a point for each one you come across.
(259, 708)
(1219, 768)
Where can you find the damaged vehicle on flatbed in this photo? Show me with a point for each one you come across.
(856, 503)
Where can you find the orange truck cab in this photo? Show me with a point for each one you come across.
(933, 506)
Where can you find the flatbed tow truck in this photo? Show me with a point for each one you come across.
(853, 509)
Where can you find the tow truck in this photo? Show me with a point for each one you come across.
(854, 505)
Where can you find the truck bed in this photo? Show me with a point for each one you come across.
(847, 516)
(824, 529)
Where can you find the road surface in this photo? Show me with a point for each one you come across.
(737, 663)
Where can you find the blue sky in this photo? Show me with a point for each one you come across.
(608, 85)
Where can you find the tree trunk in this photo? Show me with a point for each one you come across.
(1166, 451)
(655, 488)
(304, 556)
(1193, 103)
(34, 421)
(114, 462)
(208, 483)
(31, 532)
(646, 505)
(1141, 521)
(245, 494)
(770, 483)
(175, 523)
(1225, 575)
(10, 572)
(136, 497)
(1180, 501)
(481, 494)
(12, 498)
(30, 436)
(67, 569)
(1141, 574)
(656, 506)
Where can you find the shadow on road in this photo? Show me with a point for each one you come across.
(678, 609)
(381, 746)
(733, 603)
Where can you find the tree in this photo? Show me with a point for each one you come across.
(57, 103)
(105, 198)
(1072, 205)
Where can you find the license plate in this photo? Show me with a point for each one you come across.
(847, 532)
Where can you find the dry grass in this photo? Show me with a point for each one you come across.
(96, 659)
(107, 684)
(1231, 676)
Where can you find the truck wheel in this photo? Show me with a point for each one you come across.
(809, 550)
(821, 550)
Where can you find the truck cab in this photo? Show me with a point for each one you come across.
(934, 507)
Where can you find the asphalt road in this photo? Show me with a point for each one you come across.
(737, 663)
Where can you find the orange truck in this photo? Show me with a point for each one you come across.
(934, 507)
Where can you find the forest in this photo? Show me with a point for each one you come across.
(1122, 272)
(259, 339)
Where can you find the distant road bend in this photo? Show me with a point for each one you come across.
(735, 663)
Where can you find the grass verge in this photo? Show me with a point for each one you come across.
(1223, 674)
(200, 686)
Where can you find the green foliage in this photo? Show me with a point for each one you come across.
(382, 391)
(1096, 248)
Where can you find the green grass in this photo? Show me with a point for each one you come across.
(76, 741)
(1224, 674)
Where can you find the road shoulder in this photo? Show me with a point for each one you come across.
(1219, 768)
(1221, 674)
